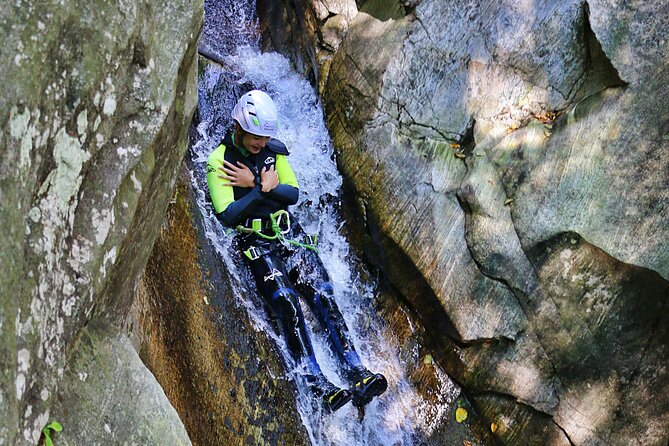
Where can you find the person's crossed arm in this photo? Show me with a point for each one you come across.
(271, 186)
(236, 175)
(241, 176)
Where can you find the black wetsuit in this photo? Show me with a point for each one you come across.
(282, 272)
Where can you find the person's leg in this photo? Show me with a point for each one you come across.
(319, 295)
(272, 280)
(313, 282)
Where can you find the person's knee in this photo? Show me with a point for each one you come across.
(286, 305)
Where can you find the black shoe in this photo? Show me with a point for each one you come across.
(367, 386)
(331, 396)
(336, 398)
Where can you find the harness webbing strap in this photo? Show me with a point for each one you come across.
(276, 220)
(253, 252)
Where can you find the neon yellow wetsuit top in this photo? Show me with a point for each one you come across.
(234, 204)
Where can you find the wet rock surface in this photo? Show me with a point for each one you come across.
(224, 377)
(510, 164)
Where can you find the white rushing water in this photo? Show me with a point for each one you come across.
(399, 417)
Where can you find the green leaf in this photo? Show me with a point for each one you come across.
(47, 439)
(55, 425)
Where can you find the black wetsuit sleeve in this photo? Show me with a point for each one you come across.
(284, 194)
(238, 210)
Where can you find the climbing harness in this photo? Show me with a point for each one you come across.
(280, 225)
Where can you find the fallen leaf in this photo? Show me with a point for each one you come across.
(547, 118)
(512, 128)
(466, 443)
(460, 414)
(493, 427)
(455, 145)
(206, 301)
(508, 201)
(428, 359)
(459, 155)
(55, 425)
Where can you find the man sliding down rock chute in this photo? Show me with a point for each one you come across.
(251, 186)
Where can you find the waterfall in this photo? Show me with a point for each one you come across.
(400, 416)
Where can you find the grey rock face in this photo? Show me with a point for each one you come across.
(515, 154)
(108, 396)
(94, 112)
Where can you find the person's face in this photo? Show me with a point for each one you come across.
(254, 143)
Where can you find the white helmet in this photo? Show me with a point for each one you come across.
(256, 113)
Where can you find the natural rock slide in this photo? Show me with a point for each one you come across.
(421, 403)
(506, 150)
(498, 234)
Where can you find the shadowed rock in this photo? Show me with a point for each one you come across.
(477, 134)
(224, 377)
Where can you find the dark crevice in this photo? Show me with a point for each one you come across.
(324, 21)
(571, 442)
(499, 340)
(410, 6)
(468, 143)
(598, 61)
(490, 403)
(139, 54)
(599, 74)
